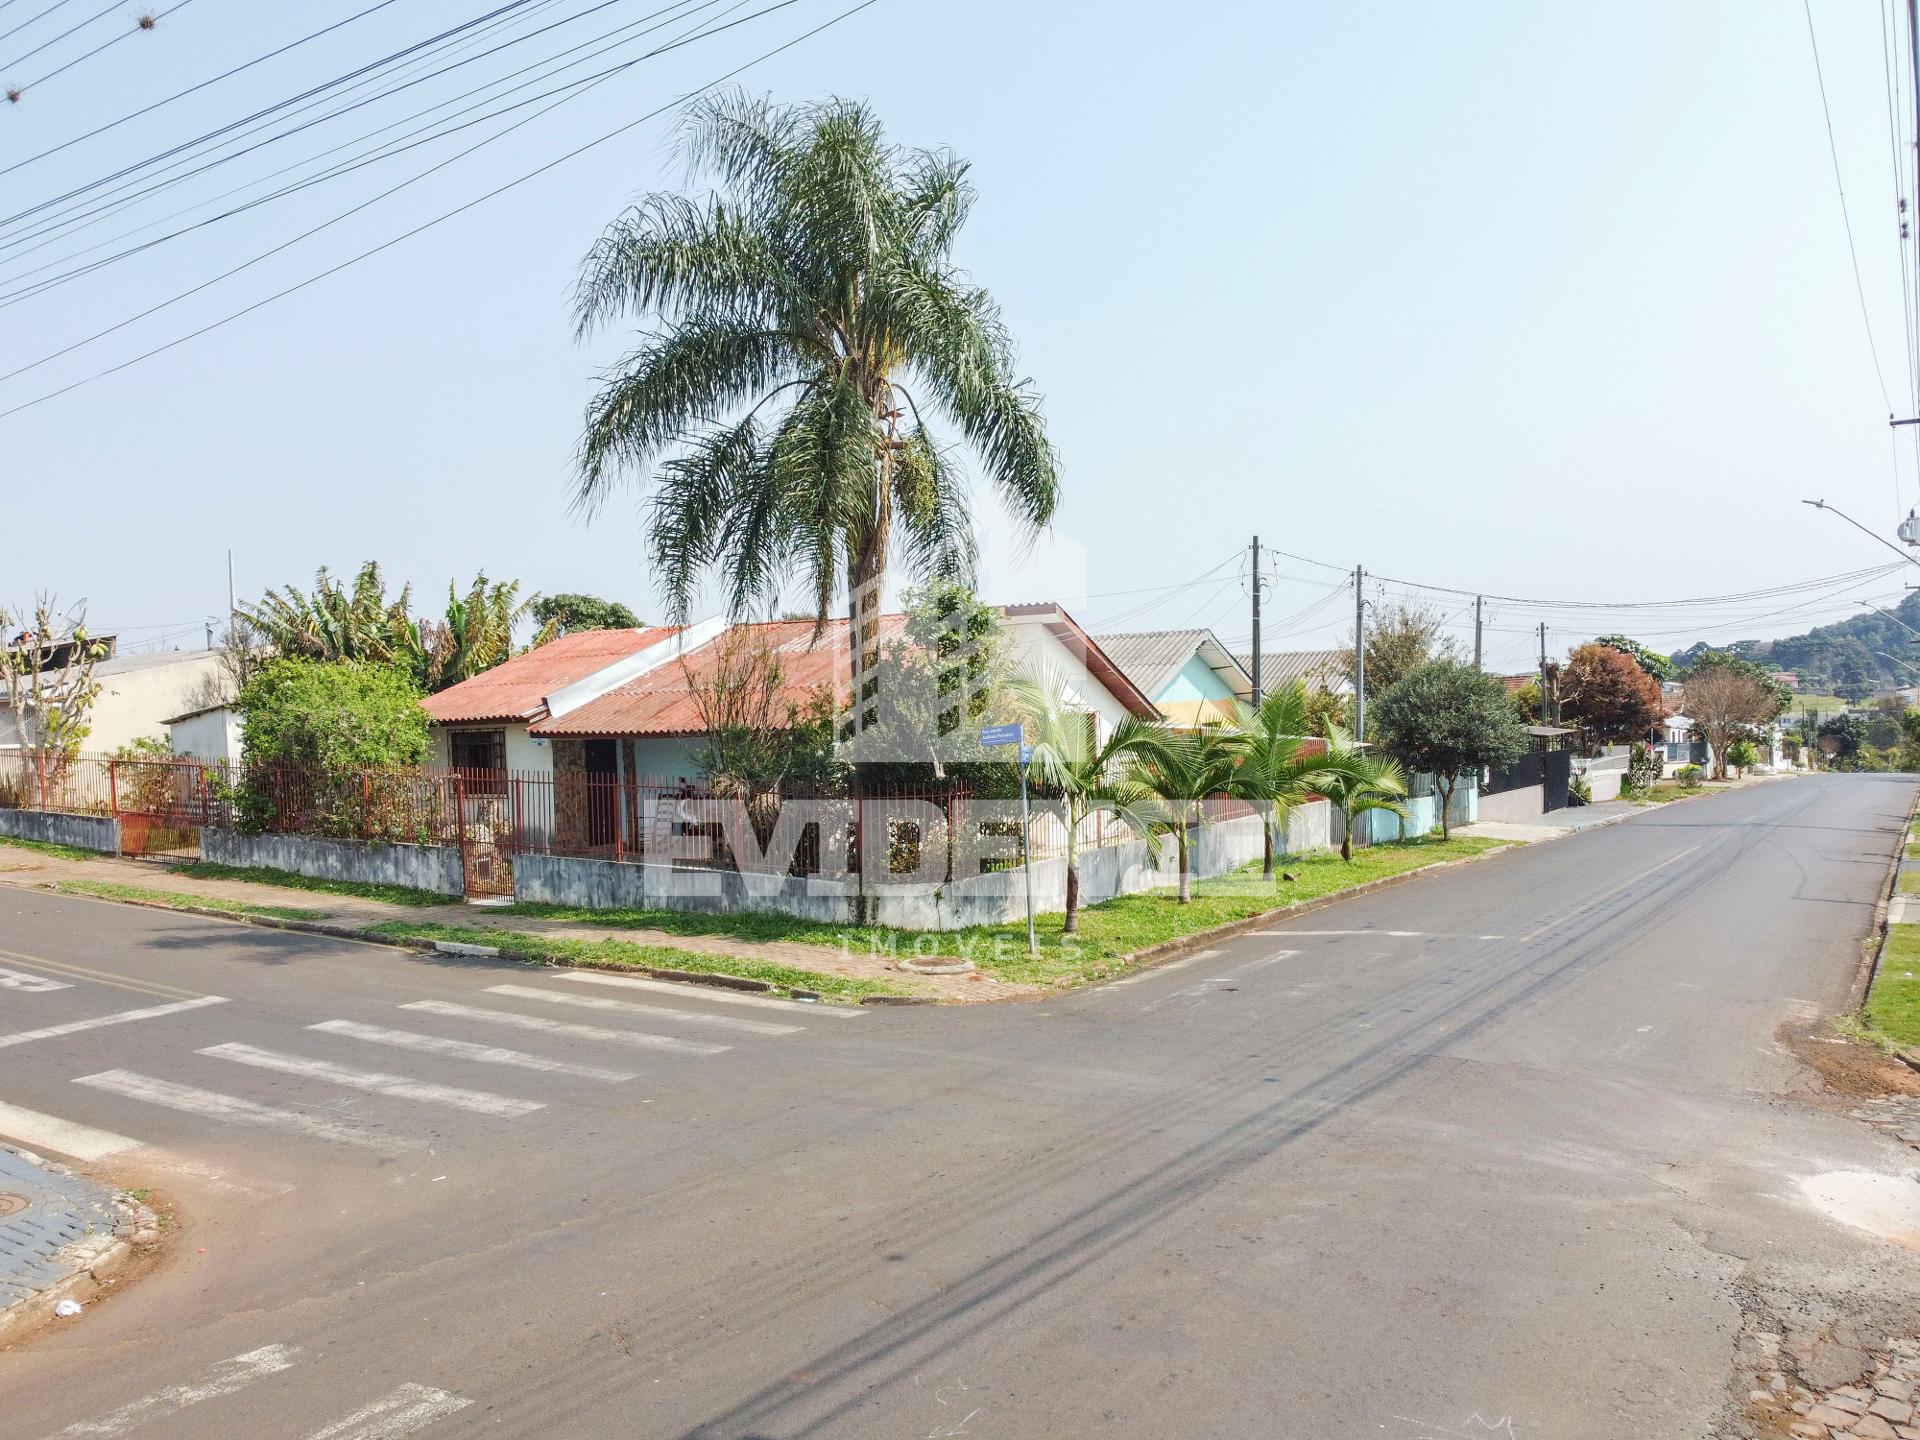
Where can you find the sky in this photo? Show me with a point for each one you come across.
(1548, 302)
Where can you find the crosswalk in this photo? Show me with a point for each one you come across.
(361, 1083)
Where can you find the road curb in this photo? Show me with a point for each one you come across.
(94, 1261)
(1869, 966)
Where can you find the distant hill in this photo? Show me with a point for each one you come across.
(1846, 658)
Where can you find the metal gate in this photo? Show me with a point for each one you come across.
(485, 804)
(162, 806)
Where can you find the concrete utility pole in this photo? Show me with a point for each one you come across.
(1256, 622)
(1360, 654)
(1479, 613)
(1549, 702)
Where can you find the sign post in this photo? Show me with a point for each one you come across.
(992, 736)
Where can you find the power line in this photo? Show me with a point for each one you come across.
(191, 89)
(25, 23)
(147, 22)
(450, 214)
(71, 30)
(1847, 220)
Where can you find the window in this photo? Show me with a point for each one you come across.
(486, 750)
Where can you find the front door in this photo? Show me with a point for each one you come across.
(603, 791)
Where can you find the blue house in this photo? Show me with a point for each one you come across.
(1189, 675)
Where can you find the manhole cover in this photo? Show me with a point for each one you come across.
(12, 1205)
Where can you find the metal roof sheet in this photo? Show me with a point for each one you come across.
(1315, 667)
(518, 689)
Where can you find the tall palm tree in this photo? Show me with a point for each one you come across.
(1089, 776)
(1181, 768)
(1281, 764)
(810, 321)
(1362, 782)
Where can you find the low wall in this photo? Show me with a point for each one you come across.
(1524, 806)
(1605, 784)
(418, 867)
(83, 832)
(991, 899)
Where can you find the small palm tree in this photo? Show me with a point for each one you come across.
(1281, 763)
(1181, 768)
(1358, 783)
(1090, 777)
(812, 322)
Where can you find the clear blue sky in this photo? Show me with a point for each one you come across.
(1546, 300)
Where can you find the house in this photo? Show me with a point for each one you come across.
(1674, 736)
(1189, 675)
(137, 694)
(1329, 670)
(622, 707)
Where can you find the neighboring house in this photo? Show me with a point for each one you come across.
(1329, 670)
(212, 732)
(137, 694)
(1188, 674)
(1788, 678)
(1678, 747)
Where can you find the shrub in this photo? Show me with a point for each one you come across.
(1643, 768)
(1579, 791)
(1688, 774)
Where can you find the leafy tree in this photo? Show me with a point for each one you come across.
(1841, 737)
(1449, 720)
(1400, 639)
(331, 717)
(1851, 678)
(568, 614)
(1883, 729)
(338, 623)
(1743, 754)
(1660, 667)
(1089, 777)
(1365, 782)
(1181, 768)
(1277, 769)
(1724, 694)
(1609, 695)
(1326, 710)
(47, 660)
(813, 301)
(476, 635)
(755, 737)
(1526, 703)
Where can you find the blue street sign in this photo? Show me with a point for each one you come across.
(1000, 735)
(1026, 753)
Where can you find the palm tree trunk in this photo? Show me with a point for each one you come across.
(1266, 842)
(1346, 835)
(1071, 924)
(1186, 891)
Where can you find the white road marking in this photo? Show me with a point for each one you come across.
(630, 1007)
(410, 1408)
(1266, 960)
(1192, 992)
(710, 992)
(480, 1102)
(562, 1027)
(227, 1377)
(63, 1137)
(1167, 969)
(235, 1111)
(467, 1050)
(124, 1017)
(32, 984)
(1392, 934)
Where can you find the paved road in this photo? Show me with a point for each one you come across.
(1513, 1142)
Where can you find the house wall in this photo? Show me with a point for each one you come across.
(83, 832)
(1195, 695)
(1038, 655)
(132, 704)
(419, 867)
(666, 757)
(524, 752)
(212, 735)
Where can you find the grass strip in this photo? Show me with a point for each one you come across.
(576, 950)
(286, 880)
(1893, 1006)
(177, 899)
(1109, 931)
(47, 847)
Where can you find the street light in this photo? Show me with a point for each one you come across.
(1890, 615)
(1908, 527)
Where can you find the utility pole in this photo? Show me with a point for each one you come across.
(1479, 614)
(232, 605)
(1549, 707)
(1256, 622)
(1360, 654)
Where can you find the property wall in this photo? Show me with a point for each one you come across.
(419, 867)
(1378, 827)
(1523, 806)
(83, 832)
(979, 900)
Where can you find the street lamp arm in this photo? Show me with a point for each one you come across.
(1881, 539)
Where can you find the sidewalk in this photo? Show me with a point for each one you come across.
(1574, 818)
(29, 869)
(61, 1236)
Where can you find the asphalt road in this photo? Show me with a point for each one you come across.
(1509, 1149)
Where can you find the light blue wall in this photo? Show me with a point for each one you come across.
(1195, 681)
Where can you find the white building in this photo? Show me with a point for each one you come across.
(137, 695)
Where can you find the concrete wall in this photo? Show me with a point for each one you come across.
(419, 867)
(210, 735)
(977, 900)
(1524, 806)
(83, 832)
(1378, 827)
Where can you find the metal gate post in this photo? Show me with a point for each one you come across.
(113, 787)
(460, 823)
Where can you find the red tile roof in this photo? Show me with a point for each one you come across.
(661, 700)
(518, 689)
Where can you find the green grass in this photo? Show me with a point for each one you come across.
(1893, 1007)
(47, 847)
(105, 890)
(260, 875)
(1109, 932)
(573, 950)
